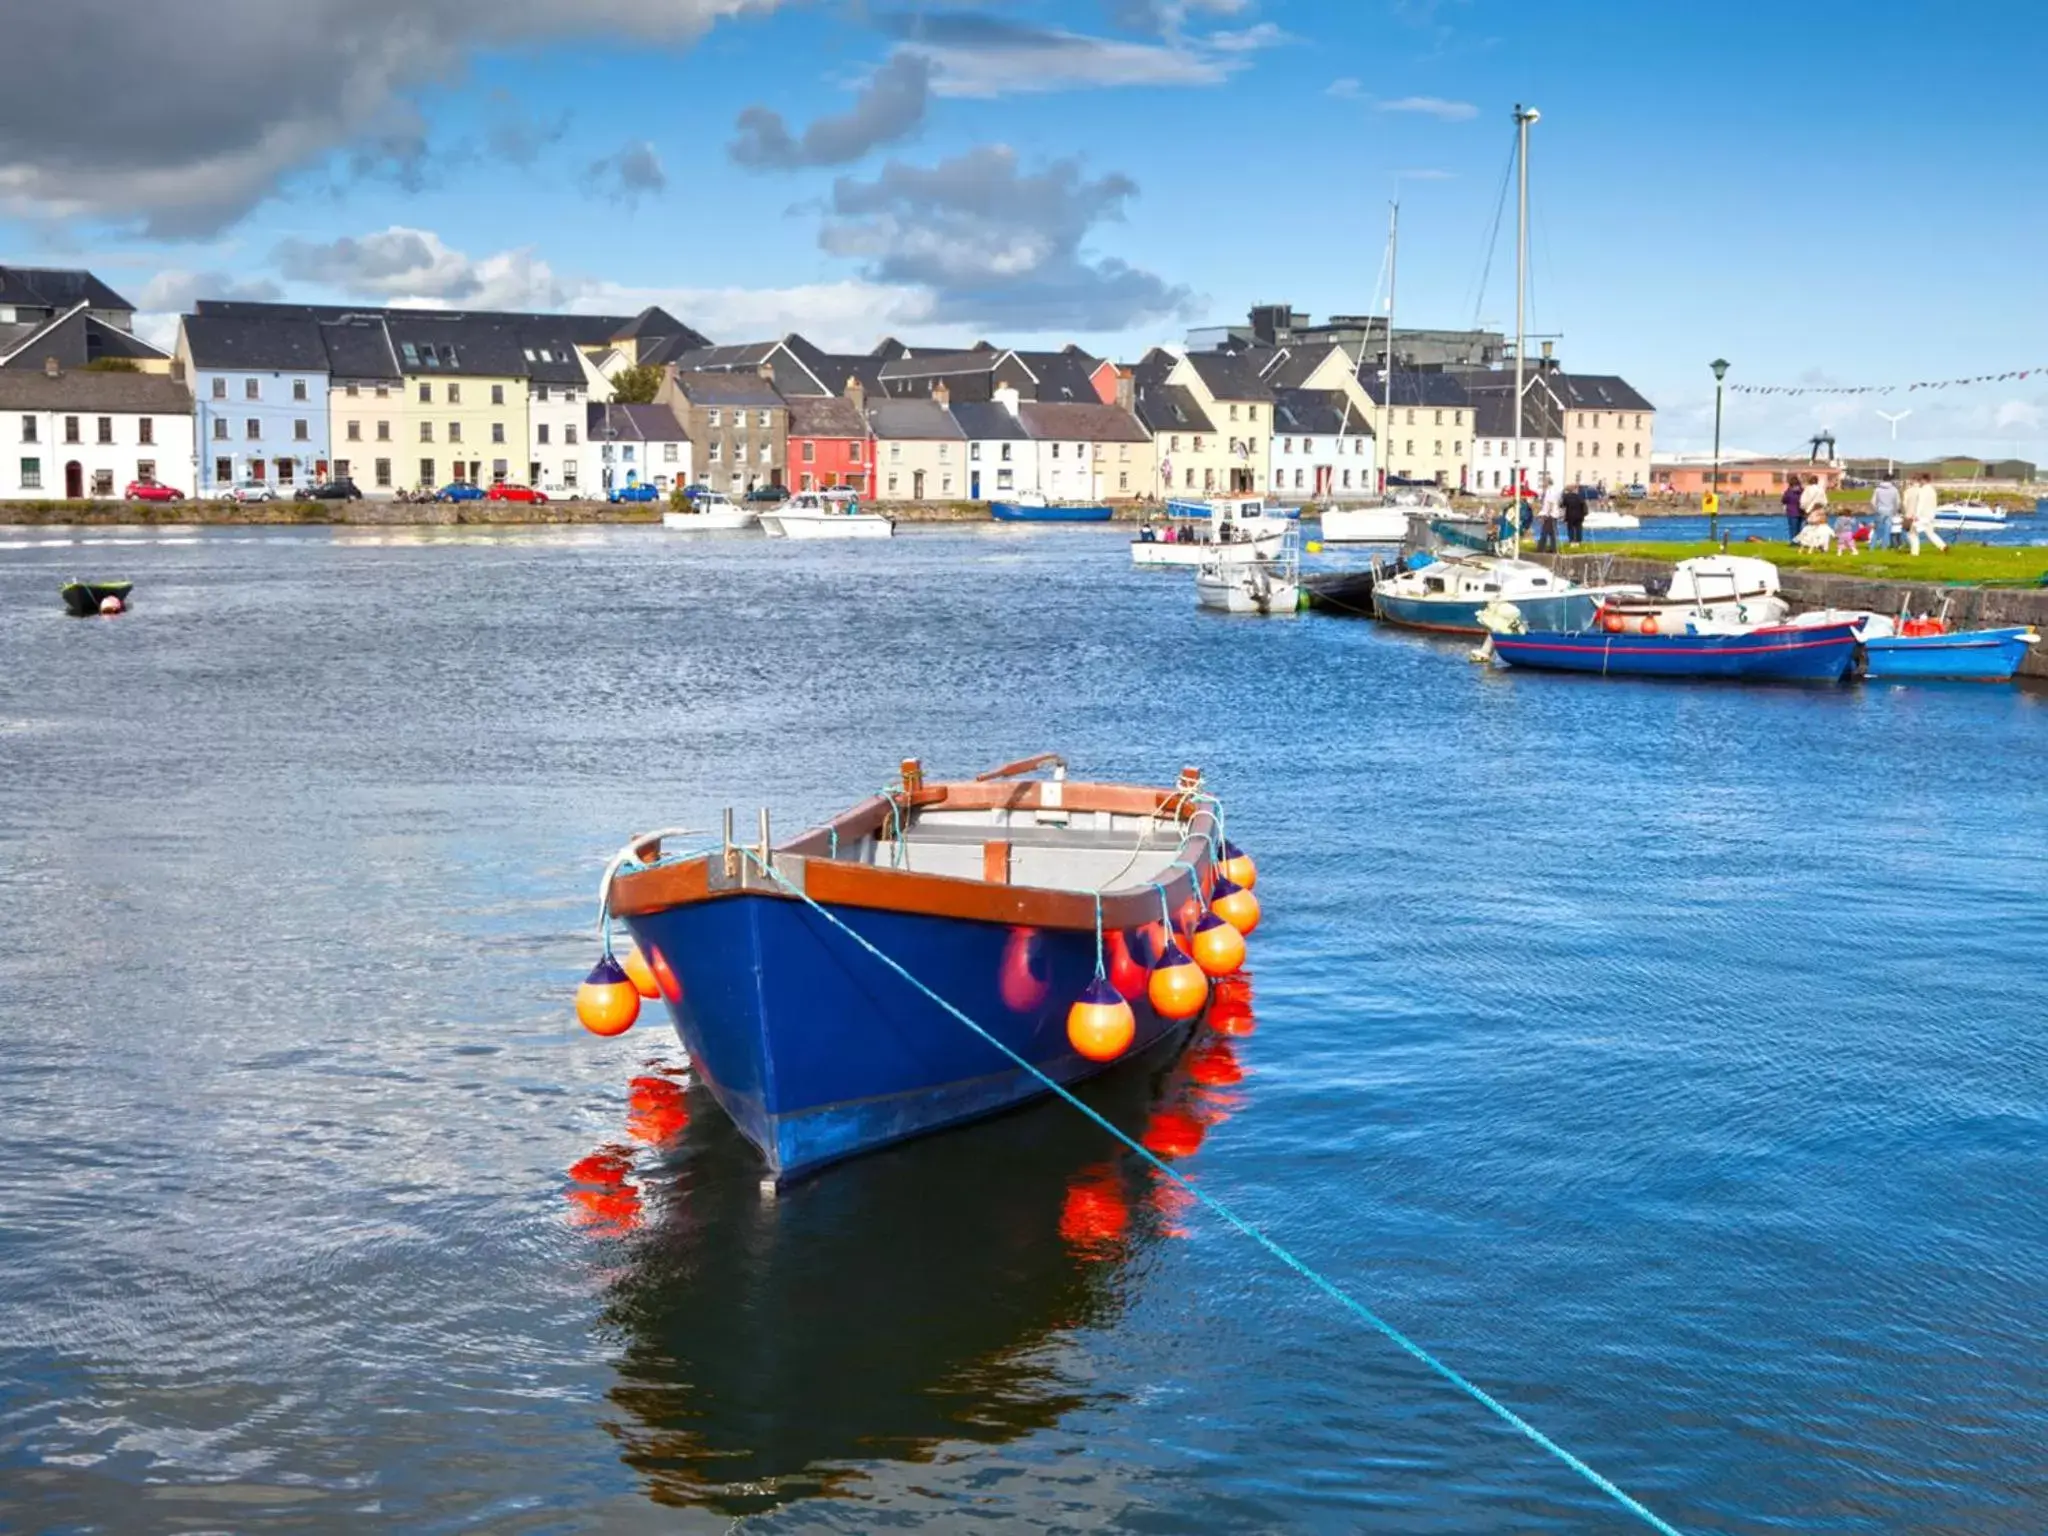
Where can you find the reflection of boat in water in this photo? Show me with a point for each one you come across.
(774, 1350)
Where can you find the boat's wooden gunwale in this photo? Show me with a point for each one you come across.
(806, 862)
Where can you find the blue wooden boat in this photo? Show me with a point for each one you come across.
(1027, 509)
(1979, 655)
(1447, 595)
(1819, 653)
(985, 891)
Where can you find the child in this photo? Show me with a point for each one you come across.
(1845, 535)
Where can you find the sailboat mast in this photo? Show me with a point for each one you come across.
(1387, 390)
(1524, 116)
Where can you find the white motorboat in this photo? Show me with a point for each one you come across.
(1448, 594)
(710, 512)
(1968, 516)
(1610, 519)
(821, 515)
(1382, 522)
(1268, 587)
(1233, 531)
(1726, 589)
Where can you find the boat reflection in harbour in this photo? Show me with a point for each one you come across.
(772, 1349)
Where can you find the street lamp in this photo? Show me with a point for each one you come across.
(1720, 367)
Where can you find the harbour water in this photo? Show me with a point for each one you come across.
(1667, 1059)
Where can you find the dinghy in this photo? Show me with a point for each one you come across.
(82, 599)
(778, 961)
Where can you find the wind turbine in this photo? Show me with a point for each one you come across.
(1891, 459)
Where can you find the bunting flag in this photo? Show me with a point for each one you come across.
(1884, 389)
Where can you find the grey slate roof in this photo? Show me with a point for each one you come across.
(1096, 423)
(1170, 408)
(1229, 378)
(826, 416)
(1437, 389)
(632, 423)
(655, 321)
(1597, 392)
(942, 364)
(80, 389)
(57, 288)
(1064, 375)
(359, 350)
(988, 421)
(742, 389)
(922, 420)
(1318, 413)
(233, 341)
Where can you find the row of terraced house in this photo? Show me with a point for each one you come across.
(284, 395)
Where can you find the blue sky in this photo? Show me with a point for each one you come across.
(1821, 193)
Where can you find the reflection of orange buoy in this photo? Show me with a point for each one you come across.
(1154, 938)
(640, 973)
(1237, 866)
(1125, 972)
(1231, 1013)
(1101, 1025)
(655, 1123)
(650, 1092)
(1215, 1065)
(1218, 947)
(612, 1212)
(1178, 987)
(1237, 906)
(1024, 983)
(1170, 1133)
(600, 1168)
(1237, 1022)
(1096, 1214)
(607, 1003)
(664, 978)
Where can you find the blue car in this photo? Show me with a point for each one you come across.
(635, 493)
(461, 490)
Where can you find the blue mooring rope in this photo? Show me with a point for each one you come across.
(1300, 1266)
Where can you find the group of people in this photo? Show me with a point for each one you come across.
(1568, 506)
(1905, 518)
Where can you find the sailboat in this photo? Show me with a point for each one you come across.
(1384, 521)
(1446, 592)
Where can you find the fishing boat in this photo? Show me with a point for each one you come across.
(778, 961)
(1817, 653)
(1031, 507)
(1230, 531)
(1971, 655)
(1730, 589)
(1446, 594)
(1264, 587)
(710, 512)
(83, 599)
(1968, 516)
(824, 515)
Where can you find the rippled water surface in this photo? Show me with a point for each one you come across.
(1671, 1060)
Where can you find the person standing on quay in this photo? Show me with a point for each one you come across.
(1814, 499)
(1575, 515)
(1885, 513)
(1795, 513)
(1920, 504)
(1546, 524)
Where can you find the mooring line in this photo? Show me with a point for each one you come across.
(1301, 1267)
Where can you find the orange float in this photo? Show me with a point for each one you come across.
(607, 1003)
(1237, 867)
(1649, 625)
(1101, 1025)
(1178, 987)
(1614, 623)
(1218, 947)
(1237, 906)
(640, 973)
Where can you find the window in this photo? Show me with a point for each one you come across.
(383, 431)
(895, 453)
(810, 452)
(220, 389)
(763, 420)
(1287, 445)
(1439, 450)
(383, 391)
(1347, 479)
(497, 431)
(223, 471)
(252, 389)
(711, 417)
(1188, 479)
(853, 452)
(28, 429)
(341, 469)
(945, 485)
(1457, 449)
(892, 483)
(1123, 453)
(1617, 450)
(1411, 418)
(454, 431)
(569, 436)
(498, 470)
(426, 394)
(541, 434)
(1579, 448)
(145, 471)
(671, 453)
(569, 473)
(1457, 418)
(1173, 444)
(1486, 448)
(1003, 479)
(352, 391)
(1279, 479)
(1251, 413)
(540, 391)
(253, 430)
(298, 389)
(1055, 450)
(426, 471)
(455, 394)
(426, 431)
(71, 429)
(1123, 480)
(410, 353)
(717, 452)
(1208, 479)
(765, 454)
(145, 430)
(31, 474)
(355, 432)
(497, 394)
(1297, 479)
(1233, 413)
(1439, 418)
(106, 429)
(626, 453)
(974, 453)
(1596, 448)
(1198, 445)
(1635, 450)
(220, 429)
(1411, 448)
(103, 482)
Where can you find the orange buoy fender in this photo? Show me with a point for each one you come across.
(607, 1003)
(1649, 625)
(640, 973)
(1237, 867)
(1237, 906)
(1218, 947)
(1101, 1025)
(1178, 987)
(1126, 974)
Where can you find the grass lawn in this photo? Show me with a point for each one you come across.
(1960, 564)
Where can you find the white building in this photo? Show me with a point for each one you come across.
(635, 445)
(81, 433)
(1002, 461)
(1090, 452)
(1322, 446)
(1494, 449)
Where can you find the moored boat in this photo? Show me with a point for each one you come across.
(1610, 520)
(1364, 525)
(1818, 653)
(1446, 595)
(822, 515)
(709, 512)
(1968, 516)
(1974, 655)
(1736, 589)
(84, 599)
(1030, 507)
(986, 891)
(1234, 530)
(1264, 587)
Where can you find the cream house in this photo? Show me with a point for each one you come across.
(920, 450)
(1088, 451)
(1608, 430)
(1428, 431)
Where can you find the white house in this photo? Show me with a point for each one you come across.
(74, 433)
(1322, 445)
(1494, 448)
(636, 445)
(1002, 461)
(1090, 452)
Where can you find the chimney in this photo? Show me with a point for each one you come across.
(1006, 396)
(941, 395)
(1126, 389)
(767, 371)
(50, 368)
(857, 393)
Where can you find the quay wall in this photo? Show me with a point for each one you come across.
(1968, 607)
(388, 513)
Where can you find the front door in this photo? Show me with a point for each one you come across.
(74, 481)
(974, 486)
(917, 484)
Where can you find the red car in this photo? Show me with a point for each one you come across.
(149, 490)
(502, 492)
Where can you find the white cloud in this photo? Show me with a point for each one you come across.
(415, 266)
(982, 55)
(1346, 89)
(2019, 417)
(1432, 106)
(845, 316)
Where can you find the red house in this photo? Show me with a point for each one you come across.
(829, 444)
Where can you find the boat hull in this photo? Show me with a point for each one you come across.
(1979, 656)
(1821, 654)
(1155, 552)
(1365, 525)
(708, 522)
(1236, 593)
(1012, 512)
(827, 525)
(1459, 615)
(82, 599)
(820, 1052)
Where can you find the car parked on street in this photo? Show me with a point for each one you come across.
(504, 491)
(149, 490)
(459, 490)
(775, 493)
(641, 492)
(329, 490)
(246, 490)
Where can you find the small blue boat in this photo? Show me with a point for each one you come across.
(1977, 656)
(1820, 653)
(1037, 510)
(1446, 595)
(986, 891)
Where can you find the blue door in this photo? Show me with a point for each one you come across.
(974, 486)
